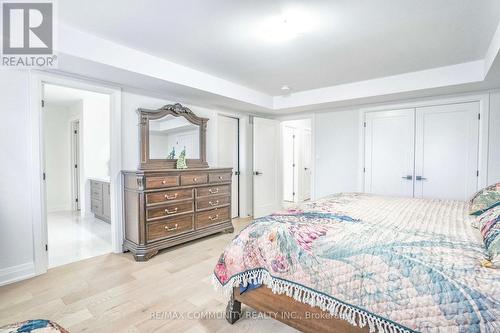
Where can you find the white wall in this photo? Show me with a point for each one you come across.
(95, 148)
(16, 235)
(57, 134)
(96, 135)
(336, 140)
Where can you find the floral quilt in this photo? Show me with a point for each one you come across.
(394, 264)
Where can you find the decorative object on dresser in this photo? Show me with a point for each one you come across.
(100, 200)
(164, 206)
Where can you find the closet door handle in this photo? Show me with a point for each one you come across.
(408, 177)
(420, 178)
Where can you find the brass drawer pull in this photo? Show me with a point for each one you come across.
(213, 191)
(213, 203)
(213, 218)
(170, 197)
(163, 182)
(172, 229)
(195, 179)
(171, 212)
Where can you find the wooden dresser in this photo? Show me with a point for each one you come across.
(163, 208)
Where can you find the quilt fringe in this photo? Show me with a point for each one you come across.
(352, 315)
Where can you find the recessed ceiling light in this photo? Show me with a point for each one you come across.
(290, 24)
(285, 88)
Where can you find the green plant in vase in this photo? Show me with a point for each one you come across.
(171, 156)
(181, 161)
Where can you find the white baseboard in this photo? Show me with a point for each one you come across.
(16, 273)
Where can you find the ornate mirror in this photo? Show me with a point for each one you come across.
(168, 131)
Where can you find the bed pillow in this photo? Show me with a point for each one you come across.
(485, 199)
(485, 217)
(490, 230)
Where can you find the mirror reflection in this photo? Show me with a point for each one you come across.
(169, 136)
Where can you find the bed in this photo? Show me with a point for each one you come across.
(364, 263)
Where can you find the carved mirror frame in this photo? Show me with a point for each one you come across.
(176, 110)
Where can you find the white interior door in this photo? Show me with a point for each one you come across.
(289, 163)
(389, 152)
(446, 151)
(228, 155)
(266, 160)
(306, 172)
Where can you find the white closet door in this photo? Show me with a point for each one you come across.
(446, 151)
(289, 163)
(389, 152)
(306, 184)
(227, 133)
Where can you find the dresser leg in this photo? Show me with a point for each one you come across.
(145, 256)
(229, 230)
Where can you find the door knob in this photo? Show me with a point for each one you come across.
(407, 177)
(257, 173)
(420, 178)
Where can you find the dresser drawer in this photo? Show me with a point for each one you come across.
(213, 216)
(95, 190)
(167, 210)
(169, 227)
(96, 206)
(212, 190)
(212, 202)
(194, 179)
(166, 196)
(219, 177)
(162, 181)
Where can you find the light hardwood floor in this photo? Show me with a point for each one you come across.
(113, 293)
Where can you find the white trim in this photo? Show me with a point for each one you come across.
(413, 81)
(493, 51)
(75, 187)
(92, 48)
(16, 273)
(37, 79)
(484, 110)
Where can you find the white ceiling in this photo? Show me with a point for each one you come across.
(354, 40)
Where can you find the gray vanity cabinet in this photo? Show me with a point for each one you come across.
(100, 201)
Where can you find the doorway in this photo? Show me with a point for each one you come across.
(296, 148)
(281, 163)
(228, 155)
(76, 154)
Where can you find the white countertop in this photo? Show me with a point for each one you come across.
(104, 180)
